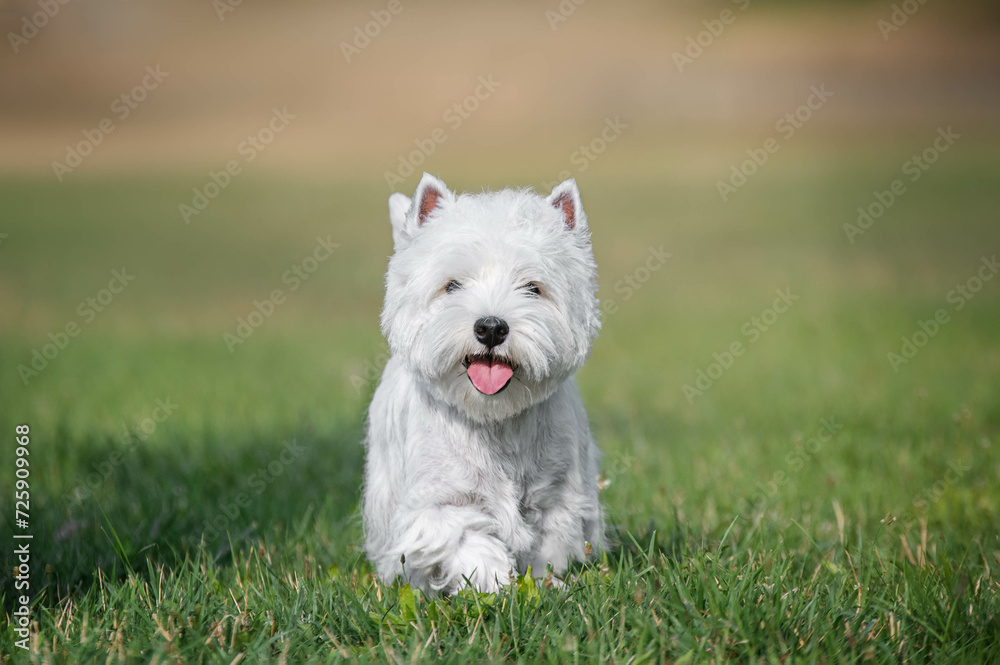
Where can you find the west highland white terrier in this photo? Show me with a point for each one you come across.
(479, 458)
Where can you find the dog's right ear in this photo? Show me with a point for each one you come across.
(409, 215)
(399, 205)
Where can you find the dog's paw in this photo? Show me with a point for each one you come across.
(482, 562)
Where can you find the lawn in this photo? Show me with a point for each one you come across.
(803, 499)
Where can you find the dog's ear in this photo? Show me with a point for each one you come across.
(408, 214)
(431, 194)
(566, 199)
(399, 205)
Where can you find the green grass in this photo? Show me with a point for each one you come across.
(156, 560)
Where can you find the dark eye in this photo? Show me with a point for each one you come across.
(453, 286)
(532, 288)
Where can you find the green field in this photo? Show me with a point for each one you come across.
(231, 525)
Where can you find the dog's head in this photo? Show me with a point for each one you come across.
(490, 298)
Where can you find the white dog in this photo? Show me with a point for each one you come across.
(479, 456)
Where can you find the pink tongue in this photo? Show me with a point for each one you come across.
(490, 376)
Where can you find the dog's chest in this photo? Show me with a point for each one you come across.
(523, 465)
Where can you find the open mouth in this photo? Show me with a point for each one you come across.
(489, 374)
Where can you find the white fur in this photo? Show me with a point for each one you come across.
(458, 484)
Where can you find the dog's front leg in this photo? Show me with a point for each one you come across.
(564, 528)
(442, 546)
(560, 540)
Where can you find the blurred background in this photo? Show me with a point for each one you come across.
(361, 111)
(207, 151)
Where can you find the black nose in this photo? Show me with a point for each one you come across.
(491, 331)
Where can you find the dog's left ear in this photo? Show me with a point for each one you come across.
(566, 199)
(431, 194)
